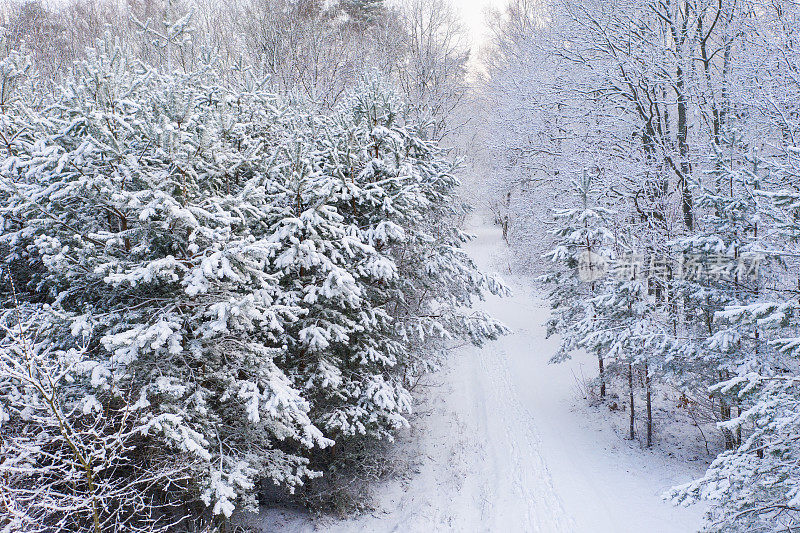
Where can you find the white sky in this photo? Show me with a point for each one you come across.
(473, 14)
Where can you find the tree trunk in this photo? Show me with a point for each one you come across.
(602, 376)
(649, 406)
(739, 429)
(505, 216)
(725, 414)
(683, 149)
(631, 434)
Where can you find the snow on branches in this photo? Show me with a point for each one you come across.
(213, 286)
(685, 116)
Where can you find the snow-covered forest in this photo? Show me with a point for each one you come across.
(664, 135)
(248, 252)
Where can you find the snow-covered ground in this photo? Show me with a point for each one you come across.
(508, 446)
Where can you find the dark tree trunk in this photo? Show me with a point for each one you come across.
(725, 415)
(739, 429)
(602, 376)
(631, 434)
(505, 217)
(687, 202)
(649, 406)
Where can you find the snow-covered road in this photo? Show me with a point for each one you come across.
(601, 482)
(507, 446)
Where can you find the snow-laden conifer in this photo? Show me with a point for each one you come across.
(581, 260)
(755, 486)
(366, 246)
(236, 282)
(138, 204)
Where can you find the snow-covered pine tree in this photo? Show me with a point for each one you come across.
(363, 12)
(719, 268)
(755, 486)
(623, 326)
(629, 304)
(581, 256)
(620, 323)
(15, 131)
(404, 180)
(368, 249)
(139, 200)
(251, 280)
(340, 349)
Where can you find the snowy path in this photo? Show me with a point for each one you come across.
(509, 448)
(605, 484)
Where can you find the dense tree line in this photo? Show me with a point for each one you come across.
(314, 48)
(222, 271)
(667, 134)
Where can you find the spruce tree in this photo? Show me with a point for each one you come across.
(581, 258)
(368, 249)
(754, 485)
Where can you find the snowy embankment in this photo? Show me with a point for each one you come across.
(508, 446)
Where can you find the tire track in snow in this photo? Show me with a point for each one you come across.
(524, 496)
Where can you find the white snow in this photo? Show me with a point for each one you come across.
(508, 446)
